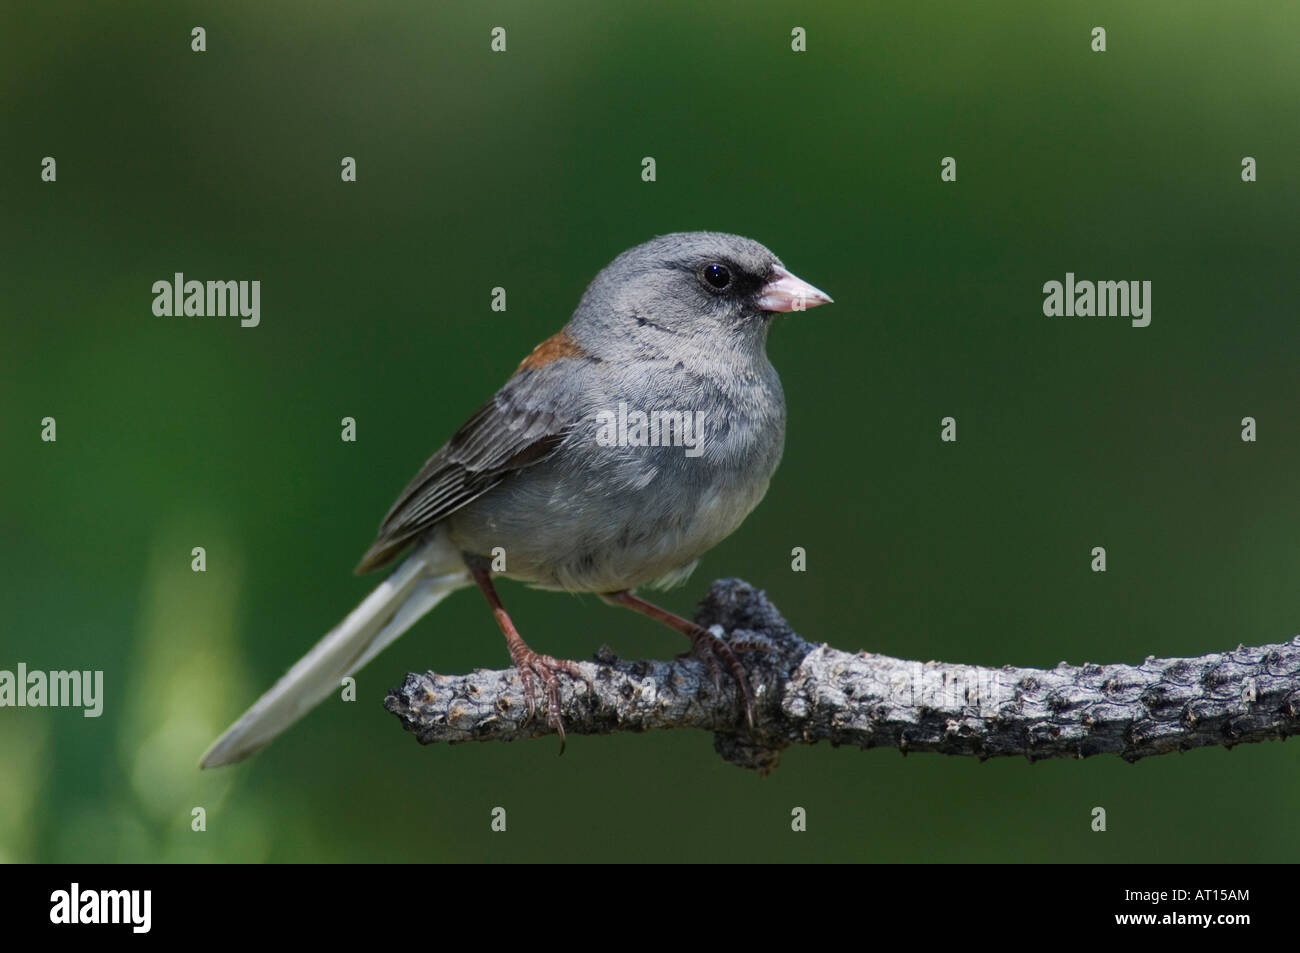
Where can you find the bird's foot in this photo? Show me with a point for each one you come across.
(707, 647)
(538, 671)
(715, 653)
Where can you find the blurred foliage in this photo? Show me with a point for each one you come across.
(522, 170)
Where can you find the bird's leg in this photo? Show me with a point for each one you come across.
(532, 666)
(705, 645)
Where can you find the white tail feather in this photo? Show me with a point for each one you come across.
(395, 605)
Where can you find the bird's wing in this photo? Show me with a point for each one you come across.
(522, 424)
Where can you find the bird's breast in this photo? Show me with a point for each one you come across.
(631, 497)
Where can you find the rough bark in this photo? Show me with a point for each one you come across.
(806, 693)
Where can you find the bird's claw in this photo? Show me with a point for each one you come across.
(709, 649)
(535, 668)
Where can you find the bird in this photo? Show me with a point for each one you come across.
(619, 452)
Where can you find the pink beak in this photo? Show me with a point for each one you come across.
(785, 292)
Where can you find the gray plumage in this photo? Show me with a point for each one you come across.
(533, 472)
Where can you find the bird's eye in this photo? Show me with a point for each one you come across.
(717, 275)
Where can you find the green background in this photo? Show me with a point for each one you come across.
(522, 170)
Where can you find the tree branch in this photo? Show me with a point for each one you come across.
(805, 693)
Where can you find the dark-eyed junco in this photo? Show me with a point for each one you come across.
(620, 451)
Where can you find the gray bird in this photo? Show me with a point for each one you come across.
(620, 451)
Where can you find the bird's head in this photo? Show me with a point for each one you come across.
(706, 287)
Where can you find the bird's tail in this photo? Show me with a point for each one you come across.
(429, 574)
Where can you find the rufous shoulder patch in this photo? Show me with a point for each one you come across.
(552, 349)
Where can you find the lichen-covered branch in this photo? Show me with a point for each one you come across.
(806, 693)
